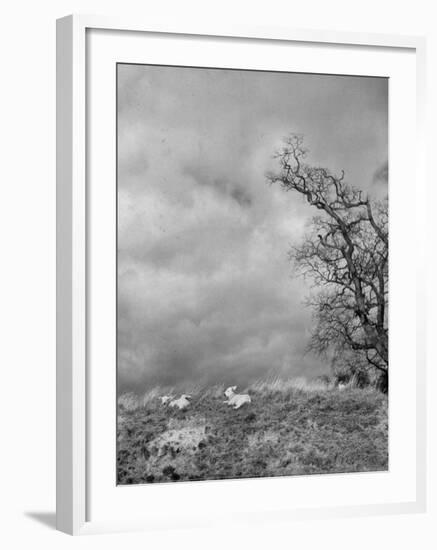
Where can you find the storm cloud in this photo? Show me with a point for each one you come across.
(205, 289)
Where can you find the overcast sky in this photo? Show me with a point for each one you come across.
(205, 290)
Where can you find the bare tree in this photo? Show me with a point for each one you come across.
(346, 256)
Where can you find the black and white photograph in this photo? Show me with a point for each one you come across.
(252, 274)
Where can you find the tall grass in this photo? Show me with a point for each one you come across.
(274, 384)
(291, 427)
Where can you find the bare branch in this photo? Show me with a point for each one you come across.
(345, 255)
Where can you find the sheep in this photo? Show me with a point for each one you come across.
(235, 399)
(341, 386)
(165, 399)
(181, 403)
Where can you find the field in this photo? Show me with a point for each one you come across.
(290, 428)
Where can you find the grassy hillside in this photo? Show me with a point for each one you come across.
(289, 428)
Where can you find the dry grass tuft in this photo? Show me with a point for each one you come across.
(276, 384)
(129, 401)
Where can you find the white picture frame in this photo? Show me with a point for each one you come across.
(73, 260)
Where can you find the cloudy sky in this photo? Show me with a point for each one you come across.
(205, 291)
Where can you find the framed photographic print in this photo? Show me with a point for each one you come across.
(235, 279)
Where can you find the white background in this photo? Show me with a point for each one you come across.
(27, 103)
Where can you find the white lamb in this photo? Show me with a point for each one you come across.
(237, 400)
(165, 399)
(181, 403)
